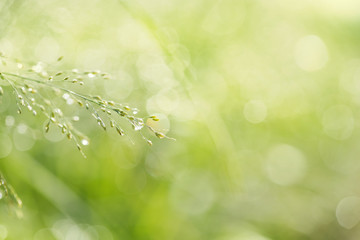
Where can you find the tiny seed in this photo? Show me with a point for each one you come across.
(32, 90)
(69, 135)
(155, 118)
(100, 122)
(121, 112)
(121, 132)
(159, 135)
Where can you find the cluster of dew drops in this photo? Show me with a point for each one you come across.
(31, 84)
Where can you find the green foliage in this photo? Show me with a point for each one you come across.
(262, 96)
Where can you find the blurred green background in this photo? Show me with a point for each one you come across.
(262, 96)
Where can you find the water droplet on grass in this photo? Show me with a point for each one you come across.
(85, 142)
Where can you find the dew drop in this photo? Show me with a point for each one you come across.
(70, 101)
(138, 124)
(137, 127)
(58, 111)
(66, 96)
(91, 75)
(85, 142)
